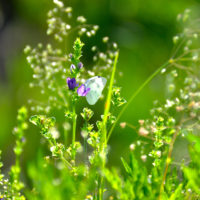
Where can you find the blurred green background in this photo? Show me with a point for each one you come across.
(143, 30)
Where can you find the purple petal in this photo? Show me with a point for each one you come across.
(73, 80)
(86, 91)
(71, 83)
(80, 65)
(81, 90)
(68, 80)
(84, 94)
(72, 67)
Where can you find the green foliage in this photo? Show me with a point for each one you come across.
(191, 172)
(87, 114)
(71, 170)
(1, 165)
(43, 122)
(12, 187)
(52, 182)
(117, 100)
(77, 51)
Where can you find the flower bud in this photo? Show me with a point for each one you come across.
(72, 68)
(132, 147)
(80, 65)
(143, 131)
(123, 124)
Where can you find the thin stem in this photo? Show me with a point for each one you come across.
(135, 94)
(103, 144)
(85, 148)
(53, 143)
(65, 136)
(131, 126)
(74, 132)
(17, 164)
(85, 143)
(189, 59)
(180, 164)
(66, 162)
(182, 67)
(143, 136)
(79, 27)
(178, 47)
(187, 52)
(168, 161)
(55, 58)
(108, 100)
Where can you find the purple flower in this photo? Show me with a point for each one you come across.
(82, 90)
(72, 68)
(80, 65)
(71, 82)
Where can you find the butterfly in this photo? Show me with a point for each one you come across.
(96, 85)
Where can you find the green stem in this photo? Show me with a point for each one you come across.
(85, 149)
(168, 161)
(135, 94)
(85, 143)
(65, 137)
(74, 132)
(103, 144)
(100, 188)
(53, 143)
(17, 164)
(108, 100)
(66, 162)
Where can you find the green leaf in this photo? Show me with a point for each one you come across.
(77, 51)
(126, 166)
(177, 193)
(36, 120)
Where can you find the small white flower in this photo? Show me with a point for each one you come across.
(163, 70)
(68, 27)
(83, 30)
(169, 104)
(144, 158)
(54, 132)
(105, 39)
(68, 10)
(89, 34)
(91, 73)
(132, 147)
(59, 3)
(53, 148)
(81, 19)
(143, 131)
(96, 27)
(158, 153)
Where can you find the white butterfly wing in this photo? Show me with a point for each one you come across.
(92, 97)
(96, 85)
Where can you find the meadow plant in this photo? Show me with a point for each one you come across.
(11, 186)
(77, 169)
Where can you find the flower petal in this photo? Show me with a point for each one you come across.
(68, 80)
(72, 67)
(86, 91)
(80, 65)
(81, 90)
